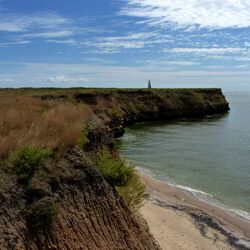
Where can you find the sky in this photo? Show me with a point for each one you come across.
(123, 43)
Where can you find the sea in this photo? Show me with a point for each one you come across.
(209, 157)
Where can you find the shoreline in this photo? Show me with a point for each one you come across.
(199, 196)
(209, 224)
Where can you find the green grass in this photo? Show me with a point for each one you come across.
(133, 192)
(28, 160)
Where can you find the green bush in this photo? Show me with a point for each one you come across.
(41, 215)
(27, 160)
(114, 171)
(124, 178)
(134, 192)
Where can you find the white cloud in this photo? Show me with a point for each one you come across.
(6, 80)
(122, 44)
(68, 41)
(116, 44)
(113, 44)
(20, 23)
(11, 26)
(66, 79)
(183, 63)
(132, 36)
(52, 34)
(243, 59)
(207, 51)
(240, 66)
(212, 14)
(15, 42)
(166, 63)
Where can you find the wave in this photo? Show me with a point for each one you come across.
(241, 213)
(198, 194)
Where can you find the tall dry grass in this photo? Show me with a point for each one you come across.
(43, 123)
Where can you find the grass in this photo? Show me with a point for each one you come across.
(28, 160)
(42, 123)
(133, 192)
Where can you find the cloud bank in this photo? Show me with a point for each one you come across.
(212, 14)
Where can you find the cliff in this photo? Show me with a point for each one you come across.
(120, 108)
(91, 215)
(67, 203)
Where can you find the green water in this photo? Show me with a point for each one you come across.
(211, 155)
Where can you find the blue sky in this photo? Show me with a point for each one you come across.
(123, 43)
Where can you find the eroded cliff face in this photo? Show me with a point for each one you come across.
(125, 107)
(90, 214)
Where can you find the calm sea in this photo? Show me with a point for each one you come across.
(210, 157)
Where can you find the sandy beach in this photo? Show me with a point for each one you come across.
(178, 220)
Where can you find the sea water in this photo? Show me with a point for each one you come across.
(210, 156)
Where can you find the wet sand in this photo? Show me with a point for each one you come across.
(178, 220)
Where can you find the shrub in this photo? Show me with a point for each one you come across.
(27, 160)
(84, 138)
(134, 192)
(124, 178)
(114, 171)
(41, 215)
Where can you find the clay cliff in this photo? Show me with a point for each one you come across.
(90, 214)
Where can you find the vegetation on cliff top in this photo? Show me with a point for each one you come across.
(57, 118)
(67, 92)
(42, 123)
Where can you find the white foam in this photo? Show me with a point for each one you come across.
(205, 197)
(244, 242)
(200, 195)
(241, 213)
(192, 190)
